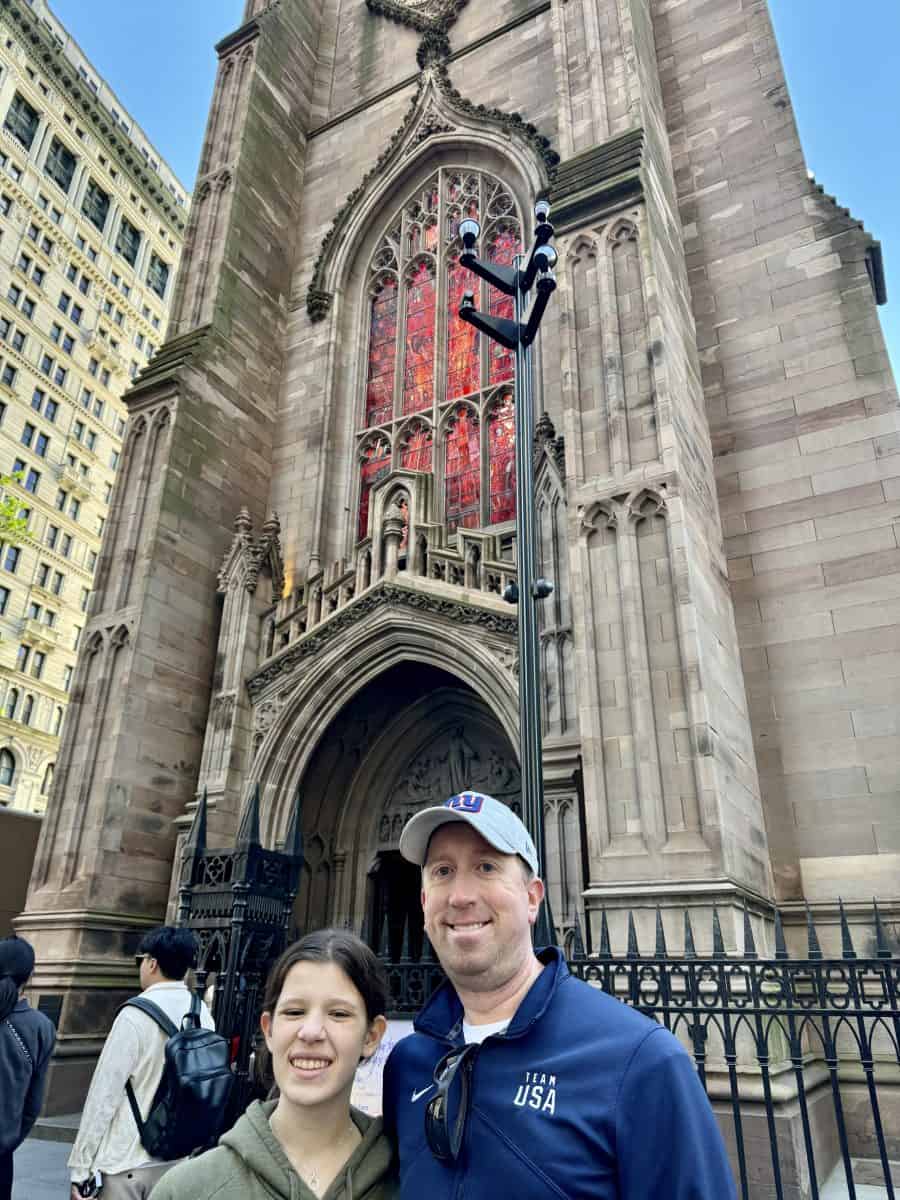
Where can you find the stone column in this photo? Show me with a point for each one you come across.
(200, 448)
(672, 798)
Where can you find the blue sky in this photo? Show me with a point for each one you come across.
(842, 68)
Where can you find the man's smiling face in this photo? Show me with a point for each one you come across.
(479, 908)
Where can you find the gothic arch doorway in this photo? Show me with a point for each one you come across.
(410, 738)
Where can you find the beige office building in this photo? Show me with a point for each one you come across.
(91, 227)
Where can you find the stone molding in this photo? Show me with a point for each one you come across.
(167, 362)
(382, 595)
(591, 184)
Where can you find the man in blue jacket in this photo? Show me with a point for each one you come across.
(520, 1080)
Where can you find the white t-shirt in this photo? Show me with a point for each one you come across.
(477, 1033)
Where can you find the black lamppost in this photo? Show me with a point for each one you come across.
(534, 269)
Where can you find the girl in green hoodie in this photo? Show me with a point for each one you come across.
(323, 1013)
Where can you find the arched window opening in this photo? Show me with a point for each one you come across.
(12, 703)
(7, 769)
(502, 460)
(47, 781)
(376, 462)
(462, 471)
(423, 360)
(58, 716)
(27, 710)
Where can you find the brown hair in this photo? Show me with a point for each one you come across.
(341, 947)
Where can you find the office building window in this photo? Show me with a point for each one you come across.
(96, 205)
(22, 121)
(128, 241)
(60, 164)
(158, 275)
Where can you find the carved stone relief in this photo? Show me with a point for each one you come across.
(469, 758)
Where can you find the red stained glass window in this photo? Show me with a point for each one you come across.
(462, 471)
(415, 454)
(382, 353)
(376, 462)
(418, 378)
(463, 374)
(502, 461)
(504, 247)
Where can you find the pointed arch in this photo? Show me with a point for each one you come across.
(448, 121)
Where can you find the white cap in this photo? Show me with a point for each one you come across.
(496, 823)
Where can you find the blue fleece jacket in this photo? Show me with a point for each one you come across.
(582, 1098)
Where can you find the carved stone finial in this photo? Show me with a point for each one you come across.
(271, 527)
(433, 48)
(242, 522)
(545, 430)
(318, 303)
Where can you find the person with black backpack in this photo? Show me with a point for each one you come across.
(160, 1087)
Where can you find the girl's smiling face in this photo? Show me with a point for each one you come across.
(317, 1034)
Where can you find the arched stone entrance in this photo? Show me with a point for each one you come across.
(409, 738)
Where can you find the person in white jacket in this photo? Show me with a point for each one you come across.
(108, 1140)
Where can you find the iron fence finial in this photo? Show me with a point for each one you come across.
(813, 950)
(749, 943)
(690, 950)
(577, 940)
(605, 951)
(718, 940)
(633, 951)
(882, 947)
(384, 947)
(404, 948)
(660, 951)
(196, 838)
(780, 944)
(847, 950)
(248, 830)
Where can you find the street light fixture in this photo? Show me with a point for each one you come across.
(532, 270)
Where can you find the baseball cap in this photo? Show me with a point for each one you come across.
(496, 823)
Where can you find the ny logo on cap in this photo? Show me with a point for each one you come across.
(469, 802)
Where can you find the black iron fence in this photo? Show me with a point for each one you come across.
(799, 1056)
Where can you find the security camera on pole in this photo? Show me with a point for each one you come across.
(532, 270)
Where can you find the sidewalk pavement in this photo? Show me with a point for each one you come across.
(41, 1174)
(40, 1170)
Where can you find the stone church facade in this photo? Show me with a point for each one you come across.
(301, 583)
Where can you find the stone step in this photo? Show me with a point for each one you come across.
(868, 1178)
(56, 1129)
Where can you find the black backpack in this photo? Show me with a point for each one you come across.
(191, 1102)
